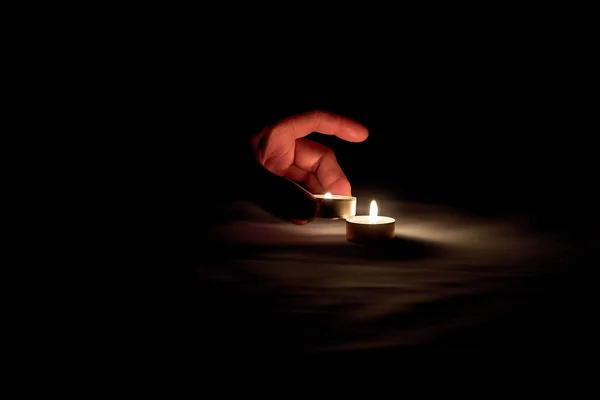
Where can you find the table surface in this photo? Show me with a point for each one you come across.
(449, 281)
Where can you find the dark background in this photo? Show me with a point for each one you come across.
(486, 109)
(485, 126)
(490, 133)
(485, 113)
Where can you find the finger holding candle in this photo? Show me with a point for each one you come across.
(324, 172)
(282, 152)
(275, 146)
(316, 166)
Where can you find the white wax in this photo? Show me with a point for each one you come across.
(334, 197)
(367, 220)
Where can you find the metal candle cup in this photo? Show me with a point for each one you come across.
(370, 228)
(335, 206)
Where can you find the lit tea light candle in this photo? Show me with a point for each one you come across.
(370, 228)
(335, 206)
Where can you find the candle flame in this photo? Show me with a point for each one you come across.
(328, 195)
(373, 211)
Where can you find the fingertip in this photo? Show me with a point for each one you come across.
(341, 186)
(364, 134)
(362, 130)
(358, 132)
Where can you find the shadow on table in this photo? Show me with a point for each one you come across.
(399, 248)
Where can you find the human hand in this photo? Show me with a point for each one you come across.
(288, 157)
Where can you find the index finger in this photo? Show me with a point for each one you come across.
(300, 125)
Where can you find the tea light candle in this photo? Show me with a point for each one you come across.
(335, 206)
(370, 228)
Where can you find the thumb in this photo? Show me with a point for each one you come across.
(284, 198)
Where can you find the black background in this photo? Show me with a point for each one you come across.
(490, 126)
(484, 109)
(490, 133)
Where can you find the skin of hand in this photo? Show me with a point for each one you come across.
(288, 157)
